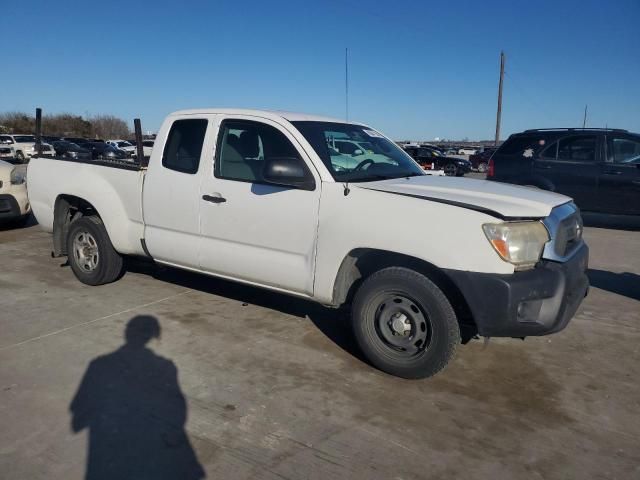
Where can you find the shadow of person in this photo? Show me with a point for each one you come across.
(132, 405)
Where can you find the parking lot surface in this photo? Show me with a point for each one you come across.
(272, 387)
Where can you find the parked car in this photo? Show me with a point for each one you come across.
(104, 151)
(6, 154)
(76, 140)
(268, 208)
(599, 168)
(480, 160)
(50, 139)
(433, 159)
(20, 144)
(123, 145)
(147, 148)
(46, 150)
(71, 150)
(14, 202)
(467, 151)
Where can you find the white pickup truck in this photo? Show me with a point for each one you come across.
(262, 198)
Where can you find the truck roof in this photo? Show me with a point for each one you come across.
(272, 114)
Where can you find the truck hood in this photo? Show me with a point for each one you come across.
(497, 199)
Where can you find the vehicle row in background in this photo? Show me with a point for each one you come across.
(599, 168)
(20, 148)
(433, 159)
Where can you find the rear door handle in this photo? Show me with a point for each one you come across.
(613, 172)
(544, 167)
(214, 198)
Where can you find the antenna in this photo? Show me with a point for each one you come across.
(584, 120)
(346, 83)
(499, 113)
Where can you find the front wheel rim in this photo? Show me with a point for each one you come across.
(85, 251)
(450, 170)
(402, 326)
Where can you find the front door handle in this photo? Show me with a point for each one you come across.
(544, 167)
(214, 198)
(613, 172)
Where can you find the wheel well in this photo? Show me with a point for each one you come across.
(67, 208)
(362, 262)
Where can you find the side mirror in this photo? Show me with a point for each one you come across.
(287, 172)
(357, 152)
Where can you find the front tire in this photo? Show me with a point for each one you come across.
(91, 255)
(20, 157)
(482, 167)
(404, 324)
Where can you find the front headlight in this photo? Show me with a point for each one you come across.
(519, 243)
(17, 178)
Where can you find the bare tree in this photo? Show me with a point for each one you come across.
(108, 126)
(66, 124)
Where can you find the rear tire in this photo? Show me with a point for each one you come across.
(482, 167)
(404, 324)
(451, 170)
(91, 255)
(20, 157)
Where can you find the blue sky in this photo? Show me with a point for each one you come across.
(418, 69)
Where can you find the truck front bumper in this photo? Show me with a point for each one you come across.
(530, 303)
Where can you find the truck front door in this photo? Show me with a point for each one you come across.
(252, 230)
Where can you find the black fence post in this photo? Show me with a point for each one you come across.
(139, 147)
(39, 131)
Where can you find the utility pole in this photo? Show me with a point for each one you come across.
(584, 121)
(499, 115)
(346, 82)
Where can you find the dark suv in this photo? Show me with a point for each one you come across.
(598, 168)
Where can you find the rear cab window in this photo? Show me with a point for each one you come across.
(184, 145)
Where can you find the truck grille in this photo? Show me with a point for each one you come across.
(568, 235)
(565, 227)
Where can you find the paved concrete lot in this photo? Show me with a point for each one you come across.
(271, 387)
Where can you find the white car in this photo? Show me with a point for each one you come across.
(467, 151)
(147, 148)
(22, 146)
(253, 196)
(123, 145)
(14, 203)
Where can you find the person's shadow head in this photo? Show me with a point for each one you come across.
(140, 330)
(131, 403)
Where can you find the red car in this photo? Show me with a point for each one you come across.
(480, 160)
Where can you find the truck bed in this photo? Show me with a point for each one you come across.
(114, 188)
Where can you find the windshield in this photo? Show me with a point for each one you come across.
(357, 154)
(123, 144)
(24, 138)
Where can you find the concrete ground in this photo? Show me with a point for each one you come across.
(272, 387)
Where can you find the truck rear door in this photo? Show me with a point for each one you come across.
(250, 229)
(170, 195)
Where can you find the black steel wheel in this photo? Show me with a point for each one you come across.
(404, 324)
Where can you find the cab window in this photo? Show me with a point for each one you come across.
(243, 146)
